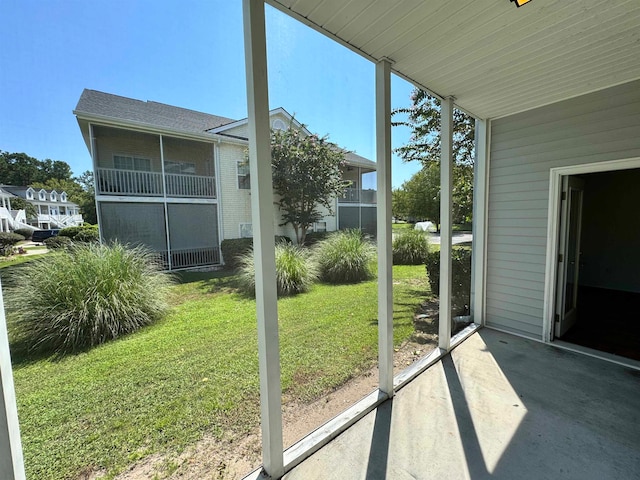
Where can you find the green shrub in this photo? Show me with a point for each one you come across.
(410, 248)
(85, 296)
(82, 233)
(69, 231)
(313, 238)
(88, 235)
(344, 257)
(9, 238)
(7, 241)
(460, 278)
(234, 249)
(295, 270)
(57, 243)
(25, 232)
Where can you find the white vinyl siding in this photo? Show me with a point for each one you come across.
(598, 127)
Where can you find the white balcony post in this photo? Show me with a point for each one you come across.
(11, 460)
(480, 196)
(262, 214)
(96, 180)
(164, 203)
(446, 174)
(385, 259)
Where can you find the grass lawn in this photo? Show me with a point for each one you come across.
(162, 388)
(17, 260)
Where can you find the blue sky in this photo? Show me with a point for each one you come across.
(186, 53)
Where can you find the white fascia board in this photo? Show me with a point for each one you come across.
(103, 120)
(244, 121)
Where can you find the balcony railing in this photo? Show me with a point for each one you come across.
(192, 257)
(131, 182)
(179, 185)
(355, 195)
(128, 182)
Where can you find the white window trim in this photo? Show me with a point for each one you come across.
(180, 163)
(315, 226)
(238, 162)
(133, 158)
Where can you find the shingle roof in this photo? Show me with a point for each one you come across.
(93, 102)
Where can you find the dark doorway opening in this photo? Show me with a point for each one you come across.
(608, 320)
(608, 293)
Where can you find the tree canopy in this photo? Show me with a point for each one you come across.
(423, 118)
(21, 169)
(306, 176)
(419, 197)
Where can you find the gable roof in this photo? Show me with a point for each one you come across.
(21, 191)
(93, 102)
(125, 110)
(273, 112)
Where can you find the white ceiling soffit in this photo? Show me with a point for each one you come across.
(495, 59)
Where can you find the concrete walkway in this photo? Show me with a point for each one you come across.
(499, 407)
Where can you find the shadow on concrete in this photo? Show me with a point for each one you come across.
(466, 428)
(379, 452)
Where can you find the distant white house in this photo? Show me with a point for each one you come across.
(54, 209)
(176, 180)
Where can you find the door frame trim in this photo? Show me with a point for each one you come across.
(553, 229)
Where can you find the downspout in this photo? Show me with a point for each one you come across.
(216, 167)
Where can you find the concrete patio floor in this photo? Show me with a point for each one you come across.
(498, 407)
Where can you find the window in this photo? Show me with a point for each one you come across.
(63, 197)
(244, 181)
(180, 168)
(123, 162)
(54, 197)
(246, 230)
(320, 227)
(278, 124)
(42, 195)
(29, 194)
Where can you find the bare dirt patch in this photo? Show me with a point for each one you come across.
(233, 458)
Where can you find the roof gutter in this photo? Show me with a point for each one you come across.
(154, 129)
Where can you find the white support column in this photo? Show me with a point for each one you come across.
(385, 258)
(480, 196)
(11, 461)
(446, 174)
(262, 215)
(94, 162)
(164, 203)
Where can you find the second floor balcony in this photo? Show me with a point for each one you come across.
(356, 195)
(112, 181)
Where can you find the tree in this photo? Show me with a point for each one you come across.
(306, 175)
(30, 210)
(422, 194)
(423, 118)
(20, 169)
(87, 201)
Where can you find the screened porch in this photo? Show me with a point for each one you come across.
(142, 164)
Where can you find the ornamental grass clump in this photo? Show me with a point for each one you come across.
(295, 270)
(410, 248)
(87, 295)
(345, 257)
